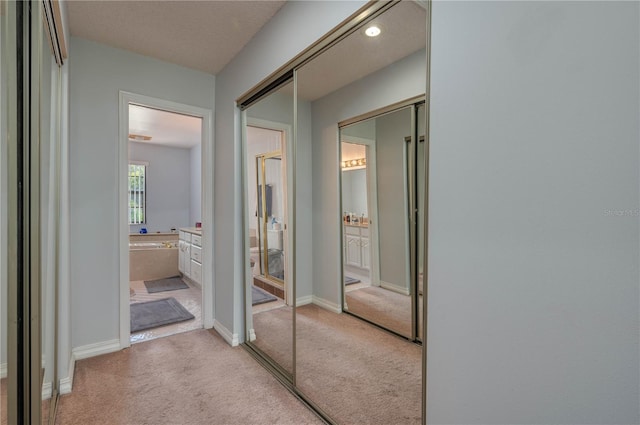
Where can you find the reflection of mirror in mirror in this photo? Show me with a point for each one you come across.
(268, 126)
(387, 298)
(353, 371)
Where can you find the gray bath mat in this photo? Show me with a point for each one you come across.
(348, 280)
(152, 314)
(259, 296)
(168, 284)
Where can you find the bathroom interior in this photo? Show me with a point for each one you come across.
(165, 229)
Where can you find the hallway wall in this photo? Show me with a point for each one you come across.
(533, 265)
(97, 73)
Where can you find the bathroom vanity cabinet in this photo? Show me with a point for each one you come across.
(190, 254)
(356, 246)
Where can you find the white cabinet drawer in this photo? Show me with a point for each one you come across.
(352, 230)
(196, 271)
(364, 231)
(196, 240)
(185, 236)
(196, 253)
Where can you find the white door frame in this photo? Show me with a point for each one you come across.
(127, 98)
(287, 144)
(372, 205)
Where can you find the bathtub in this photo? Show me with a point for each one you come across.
(153, 258)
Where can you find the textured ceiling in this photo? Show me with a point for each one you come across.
(203, 35)
(165, 128)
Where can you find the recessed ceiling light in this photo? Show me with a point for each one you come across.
(373, 31)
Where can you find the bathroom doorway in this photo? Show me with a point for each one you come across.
(165, 250)
(164, 187)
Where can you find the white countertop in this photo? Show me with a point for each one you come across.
(192, 230)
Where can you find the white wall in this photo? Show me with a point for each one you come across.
(533, 261)
(195, 190)
(267, 51)
(97, 73)
(397, 82)
(168, 186)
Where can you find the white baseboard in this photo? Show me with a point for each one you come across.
(394, 288)
(92, 350)
(231, 338)
(3, 370)
(327, 305)
(46, 391)
(252, 335)
(304, 300)
(66, 384)
(84, 352)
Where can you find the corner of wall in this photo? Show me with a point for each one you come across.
(231, 338)
(66, 383)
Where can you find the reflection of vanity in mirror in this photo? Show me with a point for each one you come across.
(355, 218)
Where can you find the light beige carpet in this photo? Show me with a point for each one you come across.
(388, 309)
(190, 378)
(274, 335)
(356, 372)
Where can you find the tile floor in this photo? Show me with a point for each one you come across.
(190, 298)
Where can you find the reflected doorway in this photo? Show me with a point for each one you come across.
(266, 177)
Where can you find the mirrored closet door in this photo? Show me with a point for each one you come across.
(349, 218)
(357, 104)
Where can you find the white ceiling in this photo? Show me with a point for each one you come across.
(165, 128)
(203, 35)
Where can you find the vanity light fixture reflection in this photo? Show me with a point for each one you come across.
(360, 162)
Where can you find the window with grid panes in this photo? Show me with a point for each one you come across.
(137, 193)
